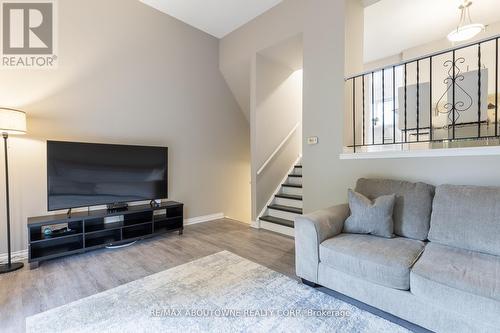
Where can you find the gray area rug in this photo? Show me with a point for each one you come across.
(219, 293)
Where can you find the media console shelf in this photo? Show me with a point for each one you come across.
(96, 229)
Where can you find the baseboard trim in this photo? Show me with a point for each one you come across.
(255, 224)
(238, 221)
(204, 218)
(16, 256)
(23, 254)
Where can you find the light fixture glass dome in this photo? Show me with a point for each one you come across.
(465, 29)
(466, 32)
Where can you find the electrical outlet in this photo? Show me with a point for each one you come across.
(313, 140)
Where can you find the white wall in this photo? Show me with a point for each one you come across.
(130, 74)
(326, 177)
(428, 48)
(277, 111)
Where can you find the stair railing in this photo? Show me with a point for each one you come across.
(278, 149)
(441, 97)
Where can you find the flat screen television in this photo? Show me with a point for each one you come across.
(90, 174)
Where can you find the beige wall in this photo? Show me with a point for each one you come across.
(324, 69)
(354, 36)
(278, 109)
(395, 59)
(279, 105)
(238, 63)
(238, 48)
(354, 51)
(130, 74)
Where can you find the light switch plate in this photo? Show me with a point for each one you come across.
(313, 140)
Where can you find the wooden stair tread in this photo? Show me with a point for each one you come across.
(289, 196)
(292, 185)
(288, 209)
(277, 220)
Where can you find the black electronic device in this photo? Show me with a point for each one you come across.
(90, 174)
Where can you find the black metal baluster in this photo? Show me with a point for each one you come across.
(373, 108)
(479, 91)
(393, 104)
(453, 91)
(418, 100)
(496, 90)
(354, 113)
(363, 110)
(431, 135)
(452, 108)
(383, 106)
(406, 103)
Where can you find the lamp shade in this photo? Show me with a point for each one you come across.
(466, 29)
(12, 121)
(466, 32)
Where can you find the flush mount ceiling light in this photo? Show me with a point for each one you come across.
(465, 29)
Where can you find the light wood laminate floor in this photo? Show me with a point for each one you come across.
(65, 280)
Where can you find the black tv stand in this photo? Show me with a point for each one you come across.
(95, 229)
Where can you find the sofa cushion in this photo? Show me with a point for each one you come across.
(369, 217)
(467, 217)
(468, 271)
(384, 261)
(412, 209)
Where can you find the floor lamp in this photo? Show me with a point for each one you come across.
(12, 122)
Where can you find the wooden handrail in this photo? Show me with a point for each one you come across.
(276, 151)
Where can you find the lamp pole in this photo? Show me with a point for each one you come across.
(7, 206)
(9, 267)
(11, 121)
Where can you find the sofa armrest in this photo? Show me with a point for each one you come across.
(310, 231)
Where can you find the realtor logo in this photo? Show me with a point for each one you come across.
(28, 34)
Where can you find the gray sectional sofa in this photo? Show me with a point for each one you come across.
(441, 271)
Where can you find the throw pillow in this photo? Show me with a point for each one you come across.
(369, 217)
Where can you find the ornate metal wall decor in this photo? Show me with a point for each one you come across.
(455, 76)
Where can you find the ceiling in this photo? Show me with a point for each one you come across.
(392, 26)
(216, 17)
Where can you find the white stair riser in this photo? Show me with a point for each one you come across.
(288, 202)
(291, 190)
(295, 180)
(297, 171)
(277, 228)
(282, 215)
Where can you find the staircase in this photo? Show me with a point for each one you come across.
(285, 206)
